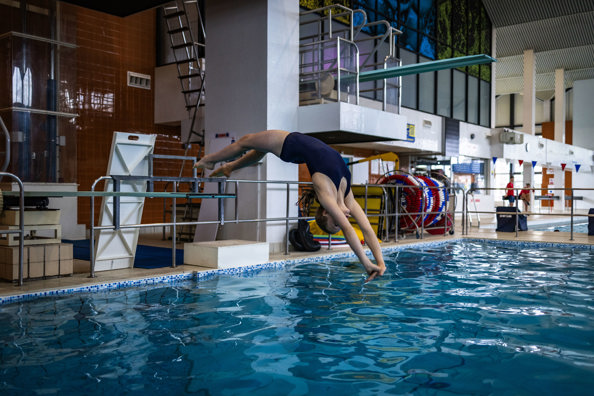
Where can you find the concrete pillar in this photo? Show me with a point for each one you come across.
(560, 105)
(583, 116)
(252, 65)
(528, 176)
(493, 78)
(529, 98)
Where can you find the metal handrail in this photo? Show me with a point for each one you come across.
(572, 213)
(21, 230)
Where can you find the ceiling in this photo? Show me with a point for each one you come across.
(119, 8)
(561, 33)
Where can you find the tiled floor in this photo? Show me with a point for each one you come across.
(486, 231)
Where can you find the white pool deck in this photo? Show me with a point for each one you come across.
(486, 231)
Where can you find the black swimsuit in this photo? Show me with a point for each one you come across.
(318, 156)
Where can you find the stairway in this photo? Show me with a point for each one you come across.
(187, 35)
(185, 26)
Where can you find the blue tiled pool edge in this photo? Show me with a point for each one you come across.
(207, 274)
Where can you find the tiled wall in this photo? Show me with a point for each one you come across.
(109, 47)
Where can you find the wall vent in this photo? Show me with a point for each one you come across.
(138, 80)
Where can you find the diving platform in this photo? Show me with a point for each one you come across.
(226, 254)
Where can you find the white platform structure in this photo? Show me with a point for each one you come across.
(226, 254)
(115, 249)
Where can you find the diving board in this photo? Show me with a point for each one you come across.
(424, 67)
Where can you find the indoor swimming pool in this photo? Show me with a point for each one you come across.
(462, 317)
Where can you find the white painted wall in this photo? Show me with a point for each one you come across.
(428, 131)
(170, 106)
(583, 116)
(475, 141)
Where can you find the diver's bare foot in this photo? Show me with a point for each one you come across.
(221, 171)
(204, 164)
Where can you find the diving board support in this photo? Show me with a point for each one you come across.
(116, 248)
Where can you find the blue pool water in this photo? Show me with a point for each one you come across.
(459, 318)
(577, 228)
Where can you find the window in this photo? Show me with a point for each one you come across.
(427, 90)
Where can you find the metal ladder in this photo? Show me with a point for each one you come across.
(185, 22)
(187, 35)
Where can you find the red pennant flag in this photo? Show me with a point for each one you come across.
(521, 162)
(563, 166)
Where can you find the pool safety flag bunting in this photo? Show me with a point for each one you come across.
(563, 166)
(577, 168)
(533, 164)
(521, 162)
(494, 160)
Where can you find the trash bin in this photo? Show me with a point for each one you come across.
(506, 221)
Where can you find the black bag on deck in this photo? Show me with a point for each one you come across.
(591, 222)
(301, 239)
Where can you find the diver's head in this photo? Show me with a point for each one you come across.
(326, 222)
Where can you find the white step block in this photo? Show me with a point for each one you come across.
(226, 254)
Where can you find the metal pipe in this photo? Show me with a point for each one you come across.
(92, 227)
(173, 233)
(287, 222)
(572, 203)
(7, 140)
(21, 229)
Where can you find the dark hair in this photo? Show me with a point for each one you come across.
(322, 220)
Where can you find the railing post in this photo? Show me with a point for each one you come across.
(397, 212)
(173, 227)
(572, 203)
(287, 222)
(21, 220)
(236, 201)
(517, 215)
(421, 187)
(221, 204)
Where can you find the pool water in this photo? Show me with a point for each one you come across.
(458, 318)
(577, 228)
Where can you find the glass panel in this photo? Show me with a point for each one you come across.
(409, 13)
(427, 90)
(473, 95)
(459, 104)
(485, 70)
(444, 91)
(459, 25)
(444, 52)
(37, 76)
(386, 9)
(409, 83)
(444, 21)
(427, 17)
(408, 39)
(485, 109)
(409, 20)
(393, 88)
(427, 47)
(348, 69)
